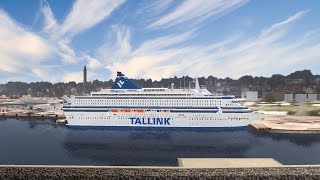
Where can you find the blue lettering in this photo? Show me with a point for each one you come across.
(144, 122)
(137, 121)
(160, 121)
(132, 120)
(166, 121)
(149, 122)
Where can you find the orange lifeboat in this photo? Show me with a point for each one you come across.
(113, 110)
(127, 110)
(140, 110)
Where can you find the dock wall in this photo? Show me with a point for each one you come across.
(31, 115)
(96, 172)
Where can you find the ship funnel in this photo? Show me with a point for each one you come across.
(122, 82)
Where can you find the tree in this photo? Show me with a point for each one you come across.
(269, 97)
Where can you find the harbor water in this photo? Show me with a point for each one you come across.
(43, 143)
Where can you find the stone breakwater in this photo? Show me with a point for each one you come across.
(65, 172)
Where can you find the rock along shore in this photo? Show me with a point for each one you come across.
(10, 172)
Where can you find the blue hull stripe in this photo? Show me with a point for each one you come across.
(247, 111)
(158, 127)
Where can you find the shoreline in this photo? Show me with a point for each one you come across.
(158, 173)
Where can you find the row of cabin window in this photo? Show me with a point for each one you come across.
(141, 100)
(141, 94)
(152, 104)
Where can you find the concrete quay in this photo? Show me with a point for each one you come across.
(215, 168)
(28, 115)
(288, 124)
(228, 162)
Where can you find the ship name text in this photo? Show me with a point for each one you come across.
(150, 121)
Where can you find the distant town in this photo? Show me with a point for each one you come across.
(274, 88)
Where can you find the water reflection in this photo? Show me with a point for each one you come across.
(154, 147)
(298, 139)
(40, 142)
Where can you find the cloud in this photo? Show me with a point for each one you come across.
(73, 76)
(45, 55)
(196, 11)
(20, 49)
(117, 53)
(139, 66)
(273, 50)
(83, 16)
(47, 73)
(26, 53)
(164, 42)
(50, 23)
(92, 63)
(117, 46)
(155, 7)
(279, 29)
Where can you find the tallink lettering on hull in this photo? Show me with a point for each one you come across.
(150, 121)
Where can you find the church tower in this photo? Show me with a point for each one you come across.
(84, 75)
(84, 80)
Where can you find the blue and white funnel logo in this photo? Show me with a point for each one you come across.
(122, 82)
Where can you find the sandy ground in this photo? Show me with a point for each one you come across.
(291, 123)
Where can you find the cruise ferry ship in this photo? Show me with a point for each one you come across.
(128, 105)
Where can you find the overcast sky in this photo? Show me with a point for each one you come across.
(52, 40)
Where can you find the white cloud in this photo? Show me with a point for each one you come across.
(64, 50)
(139, 66)
(195, 11)
(164, 42)
(73, 76)
(154, 7)
(47, 73)
(51, 24)
(117, 46)
(281, 26)
(24, 53)
(20, 49)
(118, 55)
(83, 16)
(271, 51)
(92, 63)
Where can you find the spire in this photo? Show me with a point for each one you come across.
(84, 91)
(84, 74)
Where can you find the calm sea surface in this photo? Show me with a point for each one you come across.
(41, 142)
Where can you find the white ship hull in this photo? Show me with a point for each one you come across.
(106, 119)
(127, 105)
